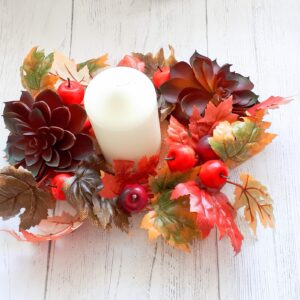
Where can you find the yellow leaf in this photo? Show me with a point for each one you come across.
(254, 198)
(147, 224)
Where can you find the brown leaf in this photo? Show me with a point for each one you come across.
(152, 62)
(65, 68)
(82, 192)
(254, 198)
(18, 189)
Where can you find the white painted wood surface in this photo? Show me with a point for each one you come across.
(261, 38)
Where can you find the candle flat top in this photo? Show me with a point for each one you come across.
(120, 98)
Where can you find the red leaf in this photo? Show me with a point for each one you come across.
(178, 133)
(200, 126)
(213, 209)
(271, 103)
(125, 173)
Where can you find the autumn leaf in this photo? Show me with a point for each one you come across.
(94, 64)
(18, 190)
(35, 71)
(253, 197)
(82, 192)
(173, 220)
(237, 142)
(177, 133)
(152, 62)
(65, 68)
(213, 209)
(125, 173)
(166, 180)
(270, 103)
(200, 126)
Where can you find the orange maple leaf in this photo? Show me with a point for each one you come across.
(125, 173)
(200, 126)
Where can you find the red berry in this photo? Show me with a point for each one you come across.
(161, 76)
(181, 158)
(213, 174)
(57, 184)
(71, 92)
(204, 150)
(133, 198)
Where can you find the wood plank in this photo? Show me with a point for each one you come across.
(24, 24)
(111, 265)
(258, 37)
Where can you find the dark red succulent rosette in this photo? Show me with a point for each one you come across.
(45, 134)
(203, 81)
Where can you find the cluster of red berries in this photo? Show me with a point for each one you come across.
(213, 173)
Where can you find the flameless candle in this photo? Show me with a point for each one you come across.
(122, 107)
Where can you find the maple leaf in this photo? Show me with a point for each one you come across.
(82, 192)
(125, 173)
(152, 62)
(173, 220)
(166, 180)
(253, 197)
(200, 126)
(18, 189)
(237, 142)
(94, 64)
(213, 209)
(35, 71)
(65, 68)
(270, 103)
(177, 133)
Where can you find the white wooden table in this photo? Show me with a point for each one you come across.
(261, 38)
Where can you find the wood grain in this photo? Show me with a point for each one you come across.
(23, 24)
(261, 38)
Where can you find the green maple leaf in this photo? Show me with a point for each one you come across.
(35, 71)
(166, 180)
(94, 64)
(237, 142)
(173, 220)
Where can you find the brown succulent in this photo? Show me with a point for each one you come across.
(203, 81)
(45, 134)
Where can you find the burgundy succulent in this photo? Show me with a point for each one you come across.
(45, 134)
(203, 81)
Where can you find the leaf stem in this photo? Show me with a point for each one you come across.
(43, 179)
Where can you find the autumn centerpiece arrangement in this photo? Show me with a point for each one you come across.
(151, 136)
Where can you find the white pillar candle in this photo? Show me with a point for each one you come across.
(122, 107)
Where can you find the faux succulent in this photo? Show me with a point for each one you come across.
(45, 134)
(203, 80)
